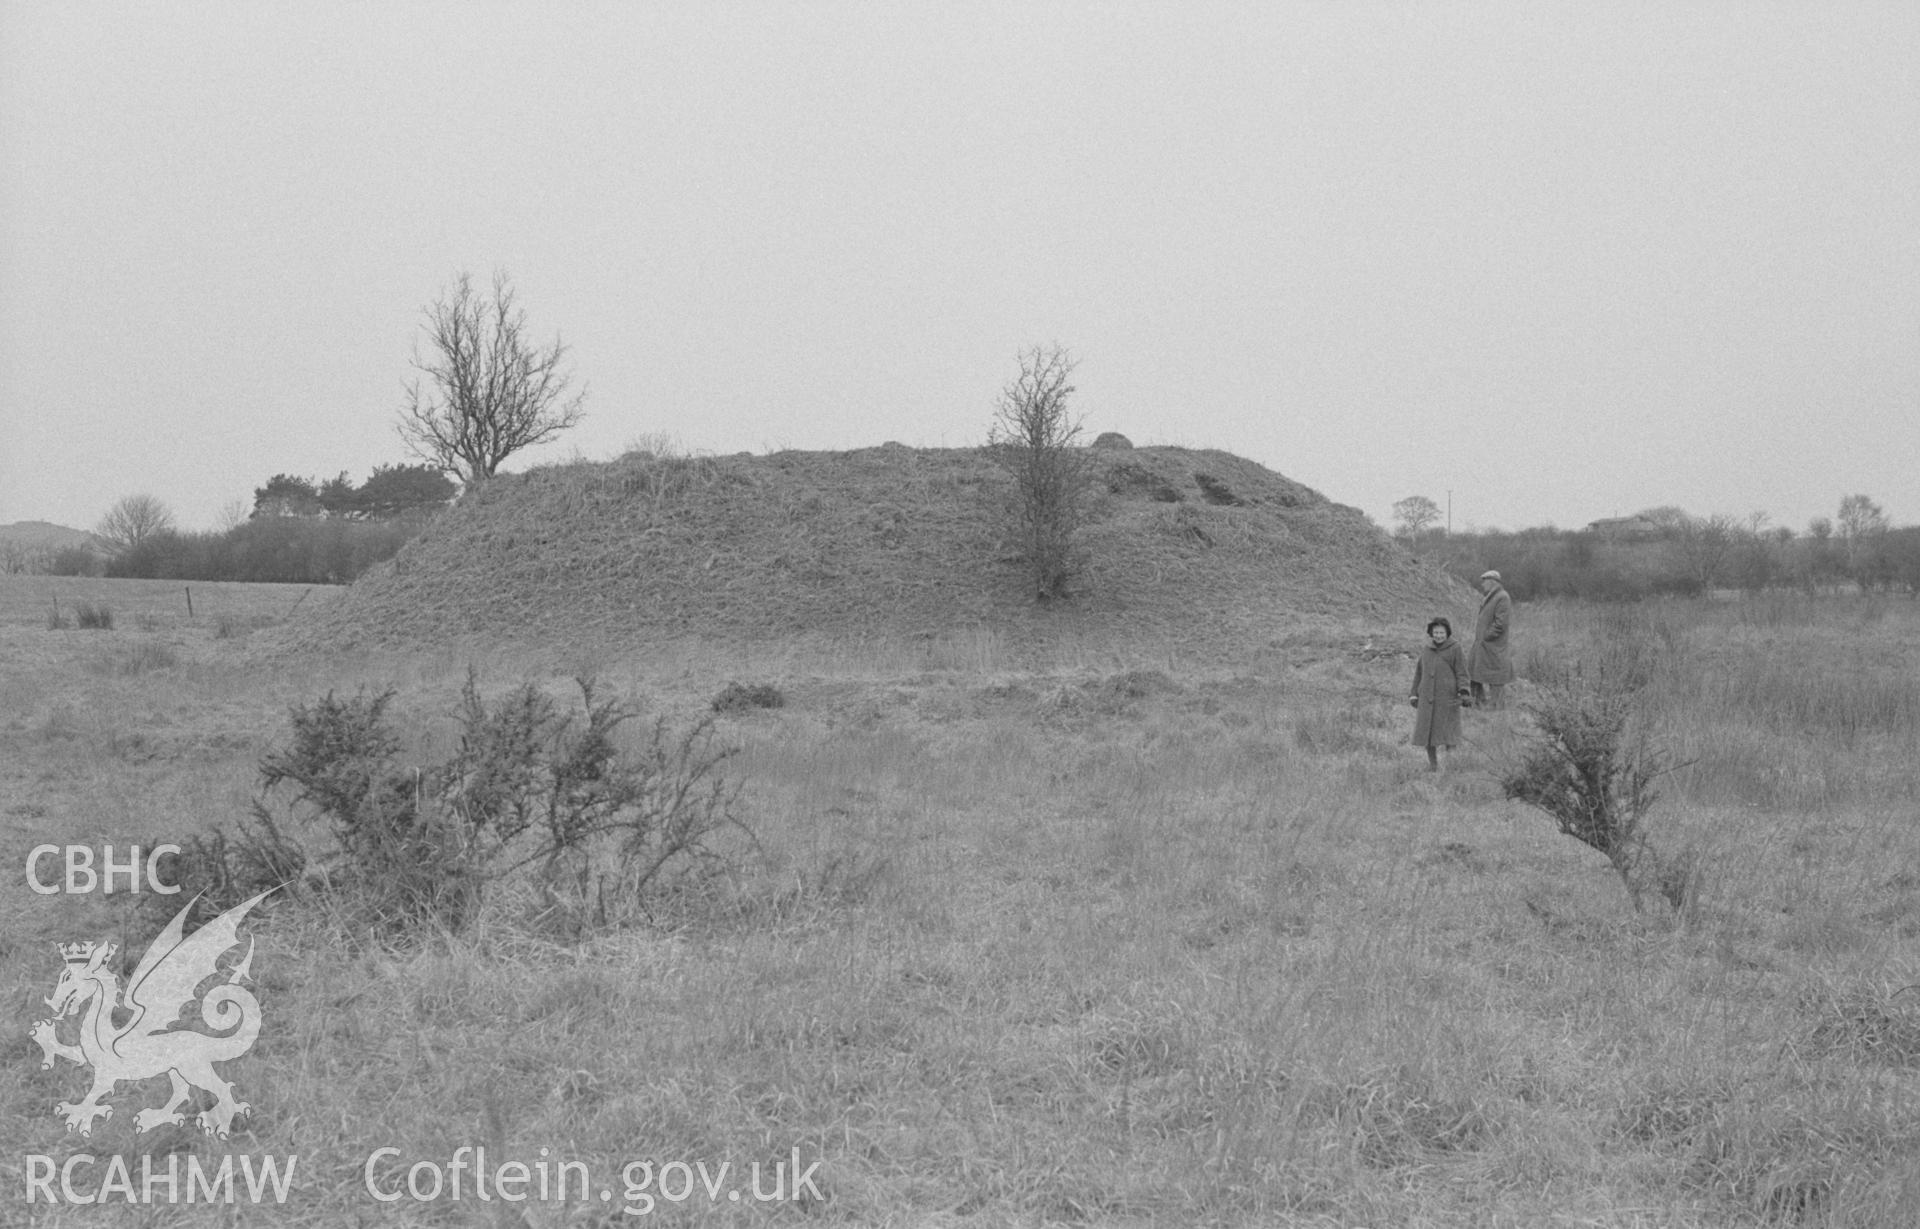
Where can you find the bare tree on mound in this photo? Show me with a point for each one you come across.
(1033, 438)
(132, 521)
(489, 390)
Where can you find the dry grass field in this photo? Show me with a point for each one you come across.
(1095, 940)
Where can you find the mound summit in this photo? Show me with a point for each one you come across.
(1198, 551)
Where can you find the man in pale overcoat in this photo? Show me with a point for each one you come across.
(1491, 666)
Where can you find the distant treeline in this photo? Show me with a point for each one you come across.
(390, 492)
(1689, 558)
(277, 549)
(299, 532)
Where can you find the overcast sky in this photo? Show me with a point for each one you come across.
(1564, 261)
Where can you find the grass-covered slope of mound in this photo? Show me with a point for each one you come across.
(1195, 550)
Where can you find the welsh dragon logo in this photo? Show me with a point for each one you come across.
(145, 1043)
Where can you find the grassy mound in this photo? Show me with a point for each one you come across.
(1197, 549)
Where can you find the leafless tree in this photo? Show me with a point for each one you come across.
(1705, 544)
(1861, 520)
(231, 516)
(488, 389)
(1817, 554)
(1756, 556)
(1414, 514)
(132, 521)
(1033, 438)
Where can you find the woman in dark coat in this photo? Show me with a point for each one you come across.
(1439, 687)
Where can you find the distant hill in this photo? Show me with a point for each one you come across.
(38, 536)
(1198, 552)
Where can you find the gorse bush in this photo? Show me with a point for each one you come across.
(1589, 766)
(217, 871)
(531, 789)
(400, 854)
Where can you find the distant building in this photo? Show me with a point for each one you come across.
(1625, 528)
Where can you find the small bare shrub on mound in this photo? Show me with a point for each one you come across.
(1033, 438)
(663, 480)
(1589, 766)
(740, 697)
(530, 789)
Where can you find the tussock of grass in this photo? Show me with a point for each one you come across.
(737, 697)
(138, 657)
(93, 616)
(1876, 1021)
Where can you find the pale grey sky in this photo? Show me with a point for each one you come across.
(1565, 261)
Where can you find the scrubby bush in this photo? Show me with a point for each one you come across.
(531, 790)
(1589, 766)
(217, 871)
